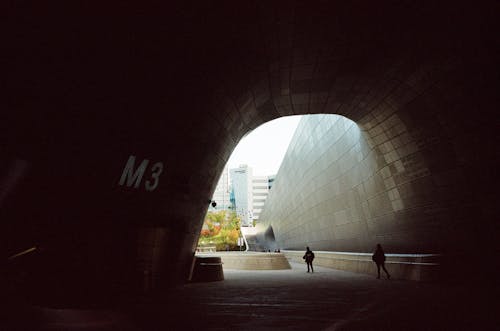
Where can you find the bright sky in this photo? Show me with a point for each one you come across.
(263, 149)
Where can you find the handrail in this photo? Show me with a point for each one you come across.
(29, 250)
(245, 240)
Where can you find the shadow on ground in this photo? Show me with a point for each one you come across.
(283, 300)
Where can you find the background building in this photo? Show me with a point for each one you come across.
(260, 191)
(241, 186)
(222, 193)
(250, 193)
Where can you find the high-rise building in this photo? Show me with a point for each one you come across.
(260, 190)
(250, 193)
(221, 194)
(241, 186)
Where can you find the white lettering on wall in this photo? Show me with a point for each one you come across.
(156, 169)
(131, 177)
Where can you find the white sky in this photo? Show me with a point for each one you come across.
(263, 149)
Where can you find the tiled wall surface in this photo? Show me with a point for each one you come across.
(345, 186)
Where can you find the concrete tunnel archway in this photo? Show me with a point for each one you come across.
(83, 98)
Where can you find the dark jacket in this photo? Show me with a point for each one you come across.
(308, 256)
(379, 256)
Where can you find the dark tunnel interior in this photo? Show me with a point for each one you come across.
(91, 89)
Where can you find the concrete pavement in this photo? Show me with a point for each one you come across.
(287, 300)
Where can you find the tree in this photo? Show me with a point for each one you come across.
(221, 228)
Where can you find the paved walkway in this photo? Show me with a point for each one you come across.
(293, 300)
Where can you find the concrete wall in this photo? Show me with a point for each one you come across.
(252, 260)
(418, 267)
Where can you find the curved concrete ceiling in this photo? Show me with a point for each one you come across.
(91, 92)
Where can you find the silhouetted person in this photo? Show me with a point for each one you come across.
(379, 258)
(309, 257)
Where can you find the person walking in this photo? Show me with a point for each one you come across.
(379, 258)
(309, 257)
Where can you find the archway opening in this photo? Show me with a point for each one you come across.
(342, 189)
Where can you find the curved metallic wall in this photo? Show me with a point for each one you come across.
(179, 84)
(344, 187)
